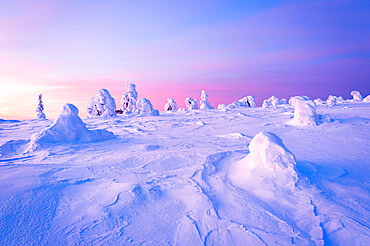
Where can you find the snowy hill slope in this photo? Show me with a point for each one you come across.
(168, 180)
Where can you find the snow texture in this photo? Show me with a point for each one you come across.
(170, 105)
(191, 103)
(129, 98)
(273, 101)
(68, 127)
(145, 107)
(40, 109)
(367, 99)
(248, 101)
(102, 105)
(304, 111)
(204, 104)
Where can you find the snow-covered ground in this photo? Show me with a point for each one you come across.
(187, 178)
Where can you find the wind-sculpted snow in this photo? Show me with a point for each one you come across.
(304, 111)
(186, 178)
(102, 105)
(68, 127)
(144, 107)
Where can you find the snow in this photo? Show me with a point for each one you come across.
(241, 176)
(102, 105)
(367, 99)
(273, 101)
(304, 111)
(170, 105)
(191, 103)
(248, 101)
(145, 107)
(204, 104)
(40, 109)
(68, 127)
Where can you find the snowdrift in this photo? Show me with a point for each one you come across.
(68, 127)
(304, 111)
(248, 101)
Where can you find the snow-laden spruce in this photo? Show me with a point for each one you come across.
(170, 105)
(129, 98)
(40, 109)
(304, 111)
(102, 105)
(356, 96)
(204, 104)
(191, 103)
(269, 172)
(273, 101)
(145, 107)
(68, 127)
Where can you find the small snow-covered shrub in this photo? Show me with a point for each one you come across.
(145, 107)
(102, 105)
(304, 111)
(332, 100)
(273, 101)
(191, 103)
(222, 106)
(319, 101)
(204, 104)
(170, 105)
(40, 109)
(356, 96)
(129, 98)
(68, 127)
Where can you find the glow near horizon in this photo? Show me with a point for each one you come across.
(68, 50)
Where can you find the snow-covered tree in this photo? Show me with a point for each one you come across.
(273, 101)
(40, 109)
(332, 100)
(145, 107)
(129, 98)
(102, 105)
(170, 105)
(356, 96)
(304, 111)
(204, 104)
(191, 103)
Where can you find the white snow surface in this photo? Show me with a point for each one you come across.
(241, 176)
(304, 111)
(102, 105)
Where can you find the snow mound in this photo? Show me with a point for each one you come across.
(102, 105)
(268, 166)
(129, 98)
(68, 127)
(319, 101)
(191, 103)
(248, 101)
(367, 99)
(170, 105)
(222, 106)
(332, 100)
(356, 96)
(204, 104)
(304, 111)
(145, 107)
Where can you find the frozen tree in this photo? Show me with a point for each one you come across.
(170, 105)
(222, 106)
(319, 101)
(266, 104)
(129, 98)
(103, 104)
(40, 109)
(191, 103)
(204, 104)
(247, 101)
(332, 100)
(68, 127)
(304, 111)
(356, 96)
(144, 107)
(273, 101)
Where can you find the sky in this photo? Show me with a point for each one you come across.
(68, 50)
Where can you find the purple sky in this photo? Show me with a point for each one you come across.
(67, 50)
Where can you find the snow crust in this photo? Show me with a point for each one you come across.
(102, 105)
(204, 104)
(304, 111)
(145, 107)
(68, 127)
(170, 105)
(191, 103)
